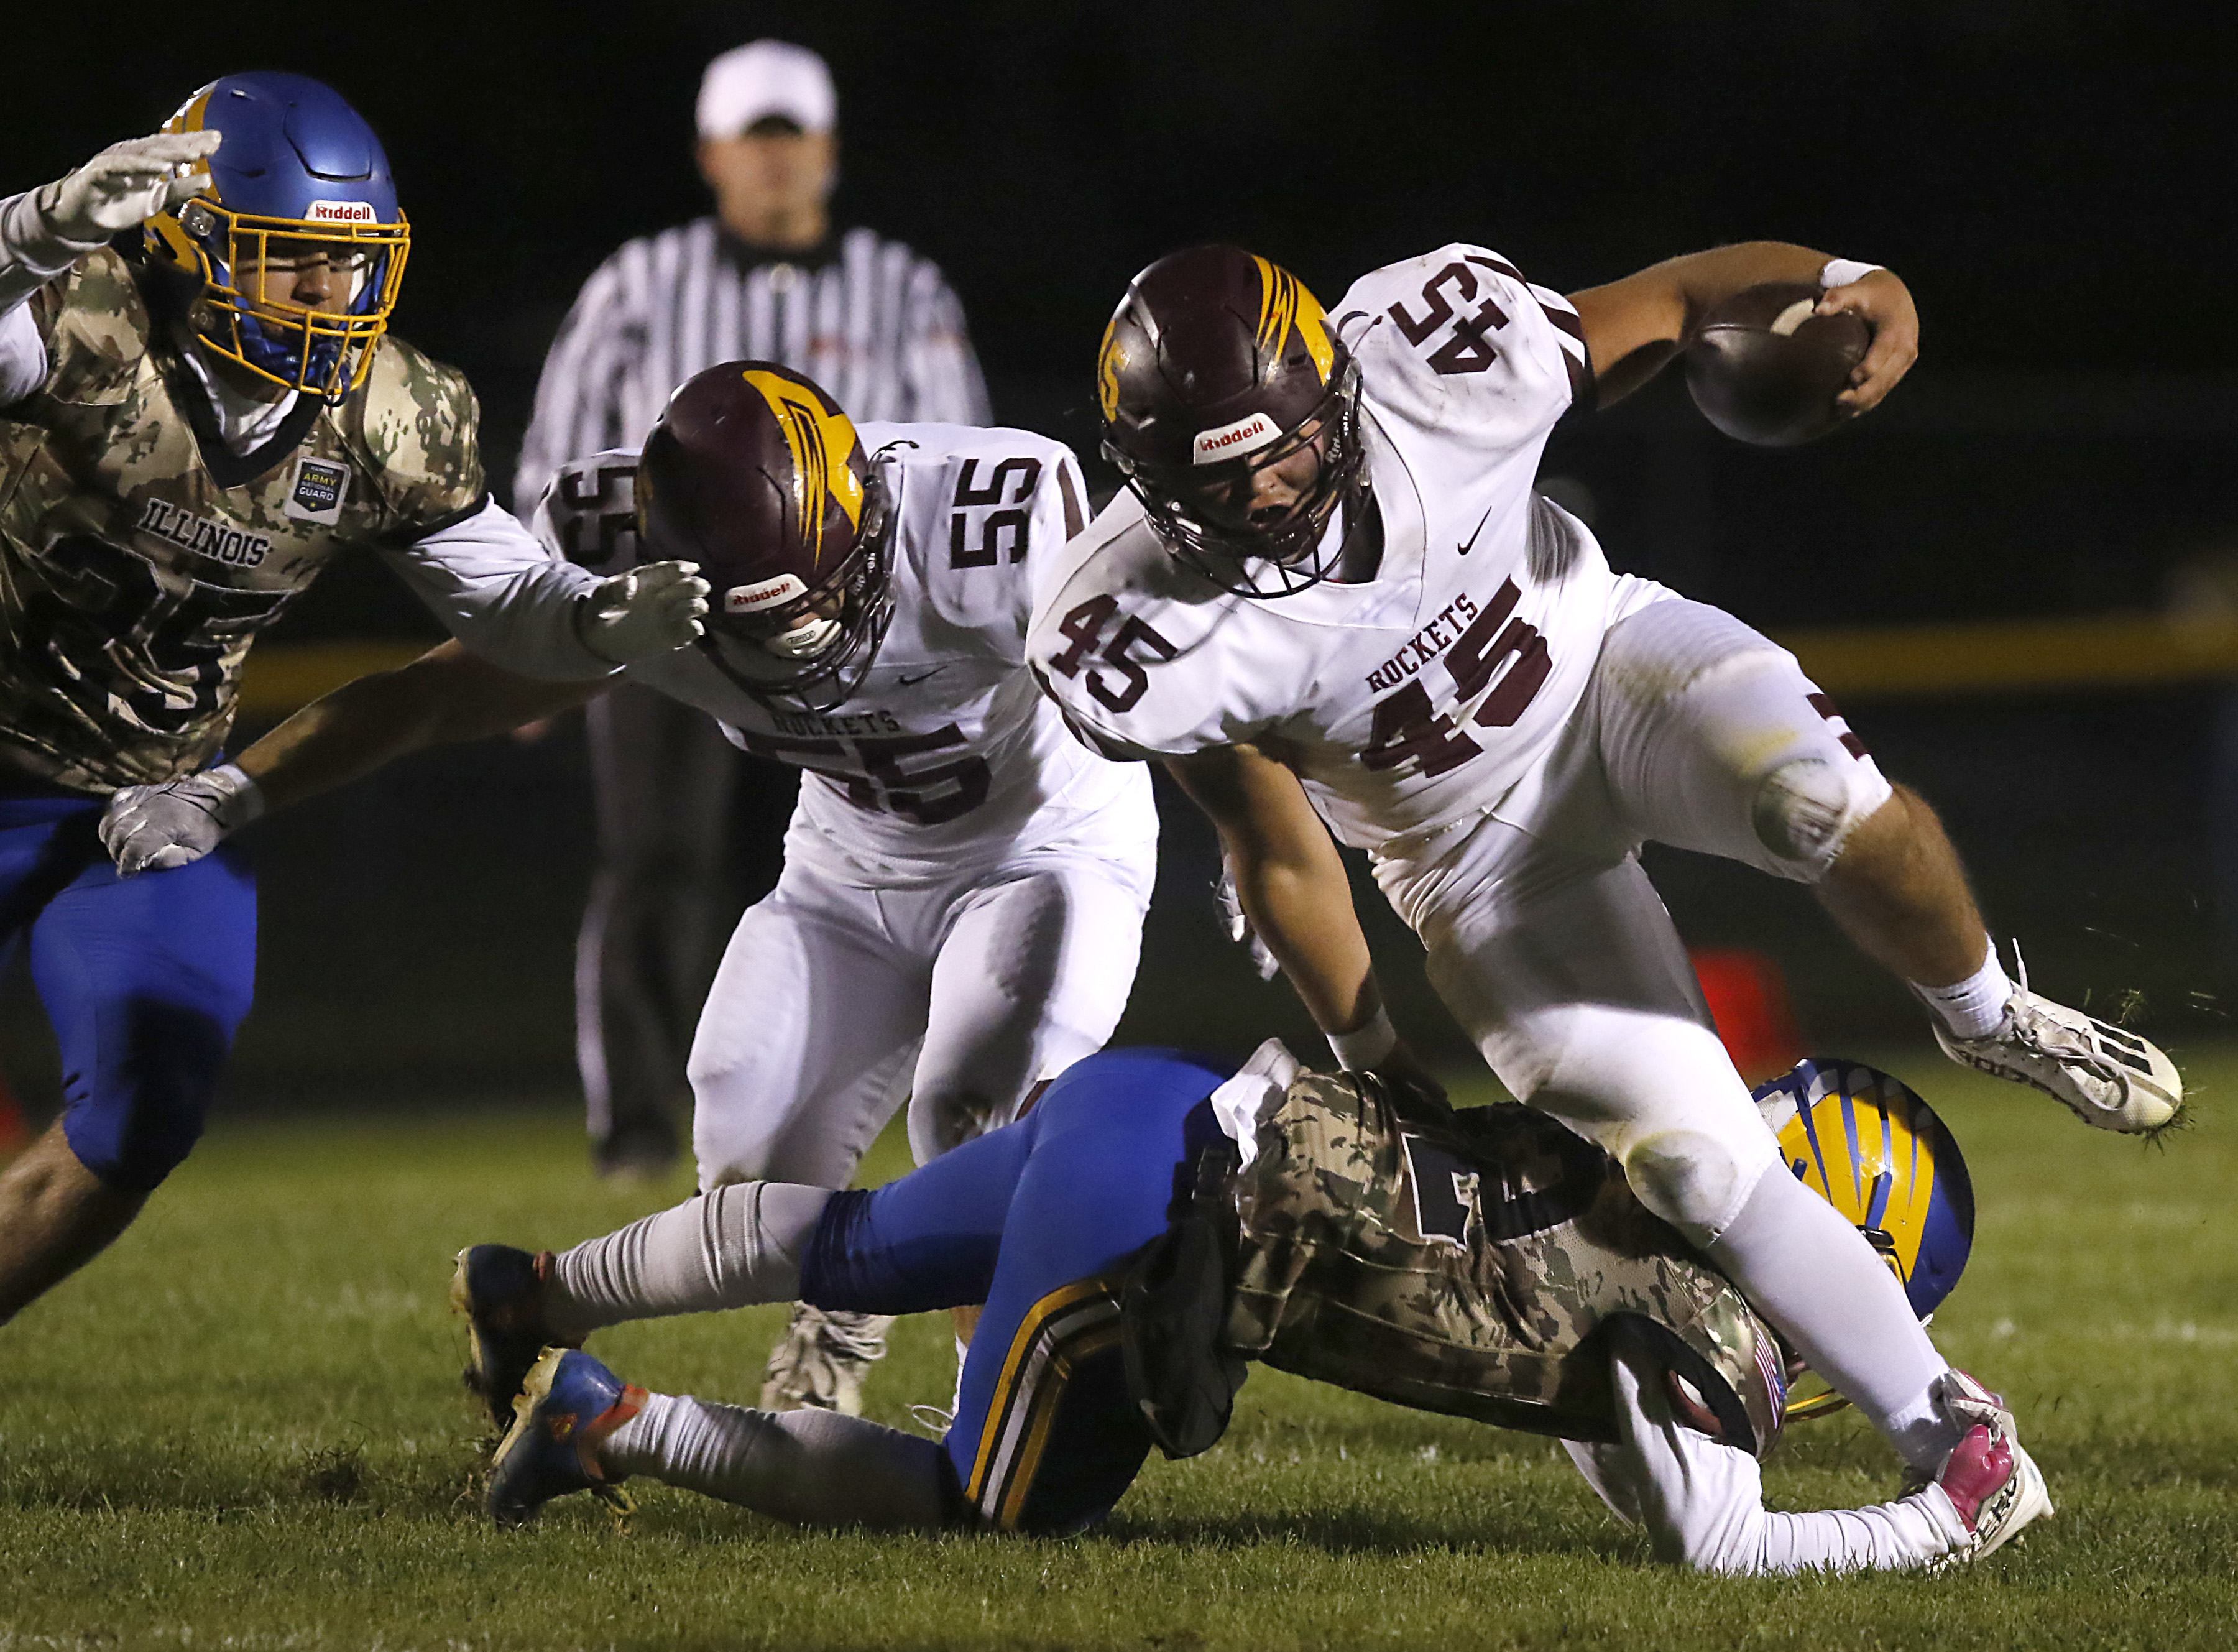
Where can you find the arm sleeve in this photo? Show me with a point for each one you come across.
(579, 393)
(31, 255)
(945, 385)
(1702, 1503)
(502, 594)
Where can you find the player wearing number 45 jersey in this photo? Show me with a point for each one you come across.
(194, 419)
(1330, 589)
(964, 884)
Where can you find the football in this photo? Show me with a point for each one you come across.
(1765, 367)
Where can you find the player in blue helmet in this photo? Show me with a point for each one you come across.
(301, 183)
(200, 406)
(1155, 1221)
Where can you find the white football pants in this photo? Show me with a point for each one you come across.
(834, 1003)
(1555, 954)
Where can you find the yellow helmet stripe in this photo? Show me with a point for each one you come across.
(1284, 302)
(820, 440)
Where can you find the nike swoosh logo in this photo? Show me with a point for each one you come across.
(1469, 544)
(911, 682)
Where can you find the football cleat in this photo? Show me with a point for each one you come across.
(2107, 1077)
(500, 1291)
(565, 1411)
(820, 1361)
(1993, 1484)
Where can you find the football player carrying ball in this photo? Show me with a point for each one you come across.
(1330, 593)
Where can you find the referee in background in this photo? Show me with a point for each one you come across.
(766, 277)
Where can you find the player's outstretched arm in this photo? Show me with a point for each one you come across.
(1636, 325)
(445, 696)
(1293, 889)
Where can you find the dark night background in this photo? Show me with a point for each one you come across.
(2052, 178)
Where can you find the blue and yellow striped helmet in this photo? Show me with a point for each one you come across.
(1875, 1151)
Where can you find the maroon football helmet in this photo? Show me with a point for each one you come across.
(752, 473)
(1218, 369)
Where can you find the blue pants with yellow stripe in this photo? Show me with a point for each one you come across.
(144, 979)
(1034, 1220)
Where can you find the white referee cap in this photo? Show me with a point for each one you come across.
(763, 78)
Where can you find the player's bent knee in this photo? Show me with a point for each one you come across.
(143, 1113)
(1694, 1180)
(1804, 811)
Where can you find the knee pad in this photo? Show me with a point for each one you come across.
(1695, 1180)
(1805, 809)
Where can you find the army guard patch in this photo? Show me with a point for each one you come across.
(316, 492)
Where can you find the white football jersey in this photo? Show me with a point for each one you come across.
(1418, 699)
(947, 755)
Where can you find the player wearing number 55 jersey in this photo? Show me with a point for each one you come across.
(964, 884)
(1330, 589)
(194, 419)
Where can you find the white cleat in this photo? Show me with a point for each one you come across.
(1995, 1487)
(2107, 1077)
(822, 1359)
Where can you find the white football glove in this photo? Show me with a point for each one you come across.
(126, 185)
(647, 611)
(153, 828)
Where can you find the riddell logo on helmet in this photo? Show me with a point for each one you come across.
(1233, 440)
(339, 212)
(763, 593)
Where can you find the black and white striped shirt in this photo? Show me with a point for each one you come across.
(868, 319)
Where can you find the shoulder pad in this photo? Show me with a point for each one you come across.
(1459, 335)
(588, 515)
(97, 328)
(420, 421)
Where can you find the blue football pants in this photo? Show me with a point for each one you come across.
(1036, 1221)
(144, 980)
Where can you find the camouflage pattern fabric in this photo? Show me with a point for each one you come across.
(138, 558)
(1476, 1263)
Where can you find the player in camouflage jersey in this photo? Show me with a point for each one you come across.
(197, 418)
(1149, 1226)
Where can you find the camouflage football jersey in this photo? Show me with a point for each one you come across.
(1477, 1264)
(139, 555)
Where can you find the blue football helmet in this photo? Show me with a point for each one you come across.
(1868, 1145)
(300, 179)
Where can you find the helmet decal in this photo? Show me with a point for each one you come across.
(1284, 303)
(820, 438)
(1108, 360)
(1873, 1149)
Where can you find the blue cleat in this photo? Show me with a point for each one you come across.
(566, 1408)
(500, 1290)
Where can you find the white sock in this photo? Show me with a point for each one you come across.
(729, 1248)
(1814, 1277)
(809, 1468)
(1974, 1007)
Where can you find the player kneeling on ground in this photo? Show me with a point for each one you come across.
(962, 903)
(1154, 1223)
(1093, 1348)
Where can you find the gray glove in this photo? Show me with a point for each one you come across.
(126, 185)
(647, 611)
(153, 828)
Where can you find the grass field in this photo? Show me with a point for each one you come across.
(243, 1428)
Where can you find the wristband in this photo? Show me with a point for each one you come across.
(1840, 272)
(1367, 1044)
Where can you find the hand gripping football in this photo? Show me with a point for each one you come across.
(1765, 367)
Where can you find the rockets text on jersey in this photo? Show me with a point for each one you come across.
(1420, 697)
(946, 749)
